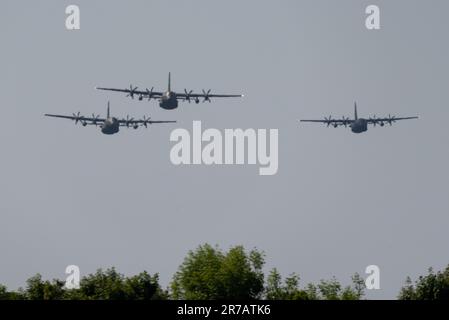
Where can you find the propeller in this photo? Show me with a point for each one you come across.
(345, 121)
(132, 91)
(150, 93)
(95, 119)
(391, 119)
(77, 117)
(146, 121)
(328, 120)
(374, 119)
(206, 95)
(128, 120)
(188, 93)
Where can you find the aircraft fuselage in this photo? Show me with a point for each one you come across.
(168, 101)
(359, 125)
(110, 126)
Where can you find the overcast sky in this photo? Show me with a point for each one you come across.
(340, 201)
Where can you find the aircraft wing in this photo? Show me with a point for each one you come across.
(161, 121)
(133, 91)
(78, 118)
(202, 95)
(389, 120)
(205, 95)
(334, 122)
(145, 122)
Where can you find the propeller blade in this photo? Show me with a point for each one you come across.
(206, 95)
(188, 93)
(77, 117)
(146, 121)
(132, 91)
(150, 93)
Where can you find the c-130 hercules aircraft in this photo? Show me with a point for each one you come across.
(110, 125)
(168, 100)
(359, 125)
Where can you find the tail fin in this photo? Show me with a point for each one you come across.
(169, 81)
(108, 113)
(355, 111)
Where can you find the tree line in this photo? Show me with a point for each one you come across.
(210, 273)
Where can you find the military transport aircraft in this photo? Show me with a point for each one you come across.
(359, 125)
(169, 99)
(110, 125)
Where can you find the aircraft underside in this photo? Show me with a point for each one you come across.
(168, 104)
(110, 130)
(359, 126)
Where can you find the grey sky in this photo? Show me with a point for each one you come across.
(340, 201)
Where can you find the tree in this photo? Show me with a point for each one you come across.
(111, 285)
(290, 290)
(103, 285)
(433, 286)
(332, 289)
(274, 289)
(3, 292)
(144, 287)
(7, 295)
(357, 291)
(37, 289)
(325, 290)
(209, 273)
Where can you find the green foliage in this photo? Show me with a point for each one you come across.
(208, 273)
(433, 286)
(37, 289)
(5, 295)
(332, 289)
(111, 285)
(3, 292)
(103, 285)
(275, 290)
(327, 290)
